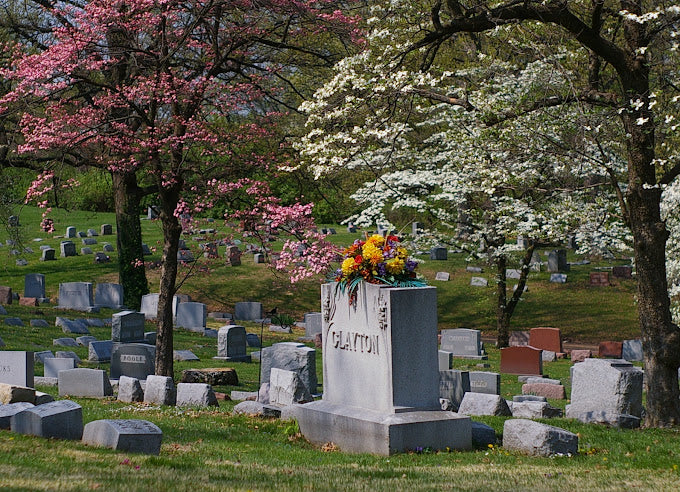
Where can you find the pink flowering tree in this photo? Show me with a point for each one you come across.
(177, 91)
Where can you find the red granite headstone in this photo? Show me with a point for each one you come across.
(29, 301)
(578, 355)
(519, 338)
(5, 295)
(546, 339)
(521, 360)
(625, 271)
(554, 391)
(599, 278)
(611, 350)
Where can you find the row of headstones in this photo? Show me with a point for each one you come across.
(105, 230)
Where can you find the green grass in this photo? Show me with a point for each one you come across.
(216, 450)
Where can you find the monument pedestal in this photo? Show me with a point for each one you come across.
(381, 375)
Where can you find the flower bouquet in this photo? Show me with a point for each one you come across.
(377, 260)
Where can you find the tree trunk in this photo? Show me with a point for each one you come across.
(169, 197)
(131, 271)
(502, 318)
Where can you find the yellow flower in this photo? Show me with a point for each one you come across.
(371, 253)
(376, 239)
(348, 266)
(395, 266)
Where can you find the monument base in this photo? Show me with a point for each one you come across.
(359, 430)
(242, 358)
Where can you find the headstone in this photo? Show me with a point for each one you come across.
(41, 356)
(107, 248)
(632, 350)
(210, 250)
(522, 242)
(253, 340)
(610, 350)
(130, 390)
(67, 248)
(231, 344)
(150, 306)
(291, 356)
(185, 256)
(13, 322)
(380, 375)
(109, 295)
(12, 393)
(557, 261)
(146, 251)
(416, 228)
(184, 355)
(21, 262)
(521, 360)
(65, 342)
(106, 230)
(438, 253)
(16, 368)
(160, 390)
(513, 273)
(34, 285)
(191, 315)
(101, 258)
(61, 419)
(48, 254)
(579, 355)
(479, 282)
(93, 383)
(5, 295)
(464, 343)
(442, 276)
(258, 258)
(248, 311)
(29, 301)
(599, 279)
(474, 269)
(536, 439)
(76, 295)
(54, 365)
(606, 391)
(222, 376)
(445, 360)
(312, 324)
(558, 278)
(129, 436)
(233, 255)
(100, 351)
(127, 326)
(8, 410)
(85, 340)
(546, 339)
(136, 360)
(453, 385)
(285, 388)
(70, 232)
(72, 326)
(195, 395)
(485, 382)
(553, 391)
(68, 354)
(625, 271)
(351, 229)
(483, 404)
(151, 213)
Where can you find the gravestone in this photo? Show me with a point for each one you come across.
(285, 388)
(558, 278)
(513, 273)
(483, 404)
(101, 258)
(254, 341)
(41, 355)
(6, 295)
(485, 382)
(606, 391)
(445, 360)
(258, 258)
(231, 344)
(54, 365)
(109, 295)
(76, 295)
(546, 339)
(474, 269)
(10, 409)
(48, 254)
(127, 326)
(129, 435)
(185, 256)
(16, 368)
(522, 242)
(135, 360)
(100, 351)
(67, 248)
(70, 232)
(248, 311)
(151, 213)
(463, 343)
(632, 350)
(312, 324)
(65, 342)
(521, 360)
(453, 385)
(149, 306)
(72, 326)
(547, 389)
(210, 250)
(557, 261)
(610, 350)
(93, 383)
(130, 390)
(416, 228)
(479, 282)
(184, 355)
(442, 276)
(580, 355)
(536, 439)
(11, 393)
(146, 251)
(34, 285)
(107, 248)
(233, 255)
(438, 253)
(160, 390)
(13, 322)
(290, 356)
(68, 354)
(380, 374)
(61, 419)
(106, 230)
(195, 395)
(191, 315)
(599, 279)
(625, 271)
(92, 233)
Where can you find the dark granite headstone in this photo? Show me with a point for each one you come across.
(521, 360)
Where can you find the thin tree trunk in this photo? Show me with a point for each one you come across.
(131, 271)
(502, 318)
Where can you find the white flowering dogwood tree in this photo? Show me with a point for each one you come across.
(521, 112)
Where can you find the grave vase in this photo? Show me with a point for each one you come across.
(381, 374)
